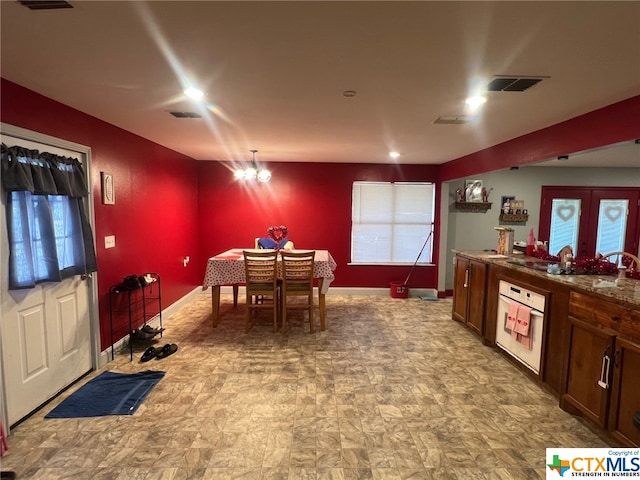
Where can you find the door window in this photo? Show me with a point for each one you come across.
(591, 220)
(612, 225)
(565, 223)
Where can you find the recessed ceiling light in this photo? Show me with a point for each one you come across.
(194, 93)
(394, 154)
(475, 102)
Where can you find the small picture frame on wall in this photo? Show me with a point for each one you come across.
(108, 190)
(505, 202)
(473, 190)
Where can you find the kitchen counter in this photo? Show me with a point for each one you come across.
(625, 291)
(590, 322)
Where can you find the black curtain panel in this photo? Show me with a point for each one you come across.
(50, 237)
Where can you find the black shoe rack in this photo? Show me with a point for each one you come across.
(133, 307)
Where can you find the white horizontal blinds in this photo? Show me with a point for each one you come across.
(372, 213)
(391, 221)
(612, 225)
(565, 222)
(413, 220)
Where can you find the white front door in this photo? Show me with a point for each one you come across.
(46, 342)
(46, 331)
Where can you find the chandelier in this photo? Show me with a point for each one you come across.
(252, 172)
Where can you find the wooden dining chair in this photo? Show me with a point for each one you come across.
(261, 280)
(632, 262)
(297, 281)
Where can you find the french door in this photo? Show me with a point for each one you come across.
(590, 220)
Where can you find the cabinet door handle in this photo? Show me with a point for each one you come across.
(466, 278)
(604, 372)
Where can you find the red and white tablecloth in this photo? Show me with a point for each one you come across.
(227, 268)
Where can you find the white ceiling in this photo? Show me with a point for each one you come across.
(274, 72)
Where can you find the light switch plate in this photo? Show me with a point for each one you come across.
(110, 241)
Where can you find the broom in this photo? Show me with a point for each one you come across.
(424, 297)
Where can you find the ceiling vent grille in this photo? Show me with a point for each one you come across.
(453, 120)
(513, 84)
(45, 4)
(186, 114)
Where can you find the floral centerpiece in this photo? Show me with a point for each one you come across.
(276, 238)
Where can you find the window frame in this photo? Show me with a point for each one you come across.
(393, 238)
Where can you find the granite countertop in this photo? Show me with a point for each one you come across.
(625, 290)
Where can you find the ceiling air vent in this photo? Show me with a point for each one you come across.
(45, 4)
(186, 114)
(513, 84)
(453, 120)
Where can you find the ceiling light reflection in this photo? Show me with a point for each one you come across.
(194, 93)
(474, 103)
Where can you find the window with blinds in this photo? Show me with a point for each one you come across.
(612, 225)
(565, 220)
(390, 222)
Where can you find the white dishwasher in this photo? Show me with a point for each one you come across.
(528, 353)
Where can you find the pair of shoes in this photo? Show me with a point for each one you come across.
(140, 335)
(148, 354)
(152, 352)
(168, 349)
(148, 329)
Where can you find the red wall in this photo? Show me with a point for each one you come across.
(155, 218)
(313, 201)
(169, 206)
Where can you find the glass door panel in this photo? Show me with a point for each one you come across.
(617, 218)
(563, 220)
(612, 226)
(565, 224)
(590, 220)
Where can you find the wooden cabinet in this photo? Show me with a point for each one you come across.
(469, 293)
(625, 393)
(602, 370)
(590, 350)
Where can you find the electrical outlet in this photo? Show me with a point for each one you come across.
(110, 241)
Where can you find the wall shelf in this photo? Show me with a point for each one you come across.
(473, 206)
(513, 218)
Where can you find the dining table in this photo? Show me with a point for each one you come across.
(227, 268)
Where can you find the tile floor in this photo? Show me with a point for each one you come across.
(394, 389)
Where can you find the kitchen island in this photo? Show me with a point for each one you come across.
(588, 343)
